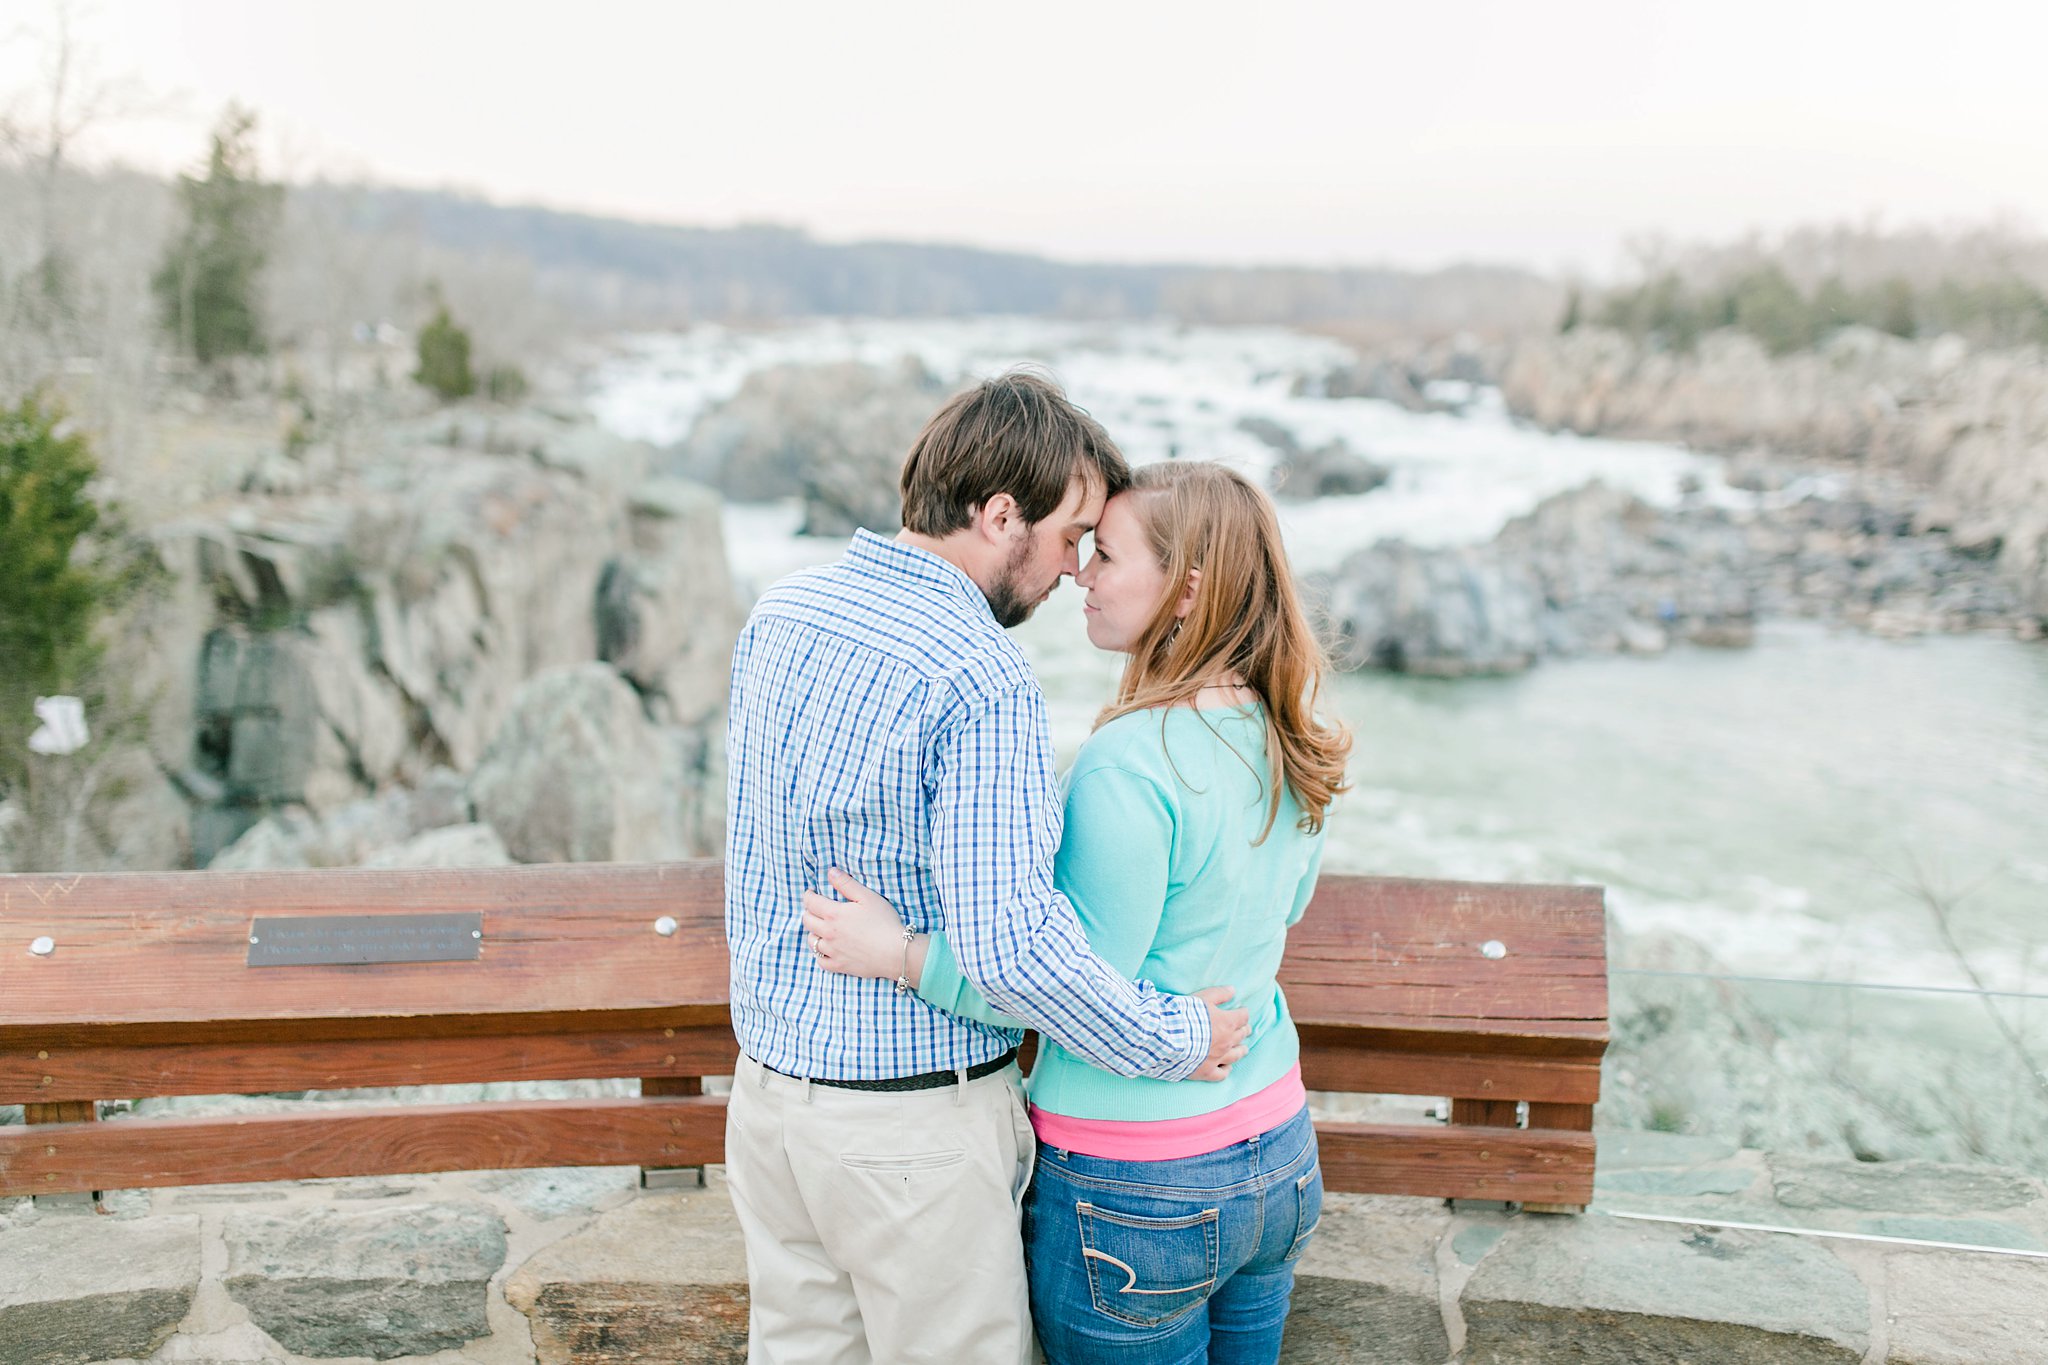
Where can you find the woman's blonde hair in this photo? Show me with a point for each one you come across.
(1246, 616)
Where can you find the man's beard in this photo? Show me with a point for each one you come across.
(1007, 595)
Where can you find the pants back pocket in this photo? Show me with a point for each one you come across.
(1143, 1270)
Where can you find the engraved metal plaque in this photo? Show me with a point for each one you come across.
(304, 940)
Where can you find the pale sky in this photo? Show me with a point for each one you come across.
(1544, 134)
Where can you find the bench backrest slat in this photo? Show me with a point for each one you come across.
(166, 949)
(1384, 951)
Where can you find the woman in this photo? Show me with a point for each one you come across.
(1164, 1220)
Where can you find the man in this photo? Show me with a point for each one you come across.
(882, 722)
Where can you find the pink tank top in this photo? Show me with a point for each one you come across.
(1167, 1139)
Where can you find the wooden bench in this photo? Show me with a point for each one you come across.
(145, 988)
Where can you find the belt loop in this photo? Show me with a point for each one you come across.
(807, 1090)
(960, 1086)
(761, 1075)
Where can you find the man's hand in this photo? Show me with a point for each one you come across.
(1227, 1032)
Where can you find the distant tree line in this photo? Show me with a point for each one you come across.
(1988, 285)
(611, 273)
(1766, 304)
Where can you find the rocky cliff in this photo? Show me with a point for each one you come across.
(1968, 427)
(1595, 571)
(359, 649)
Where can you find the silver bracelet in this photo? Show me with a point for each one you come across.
(903, 977)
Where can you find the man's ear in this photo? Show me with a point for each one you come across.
(999, 519)
(1187, 595)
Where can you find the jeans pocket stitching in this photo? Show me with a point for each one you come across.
(1303, 1232)
(1208, 1220)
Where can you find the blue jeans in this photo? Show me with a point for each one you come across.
(1171, 1262)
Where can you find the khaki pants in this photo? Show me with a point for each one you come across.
(881, 1227)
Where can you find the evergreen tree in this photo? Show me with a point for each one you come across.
(505, 384)
(1571, 320)
(444, 358)
(207, 284)
(1770, 308)
(48, 600)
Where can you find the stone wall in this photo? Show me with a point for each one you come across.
(560, 1266)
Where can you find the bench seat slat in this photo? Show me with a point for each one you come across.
(1537, 1008)
(1331, 1062)
(1520, 1164)
(132, 1072)
(414, 1140)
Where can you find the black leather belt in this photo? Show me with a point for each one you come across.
(930, 1080)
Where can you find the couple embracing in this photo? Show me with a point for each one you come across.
(901, 1196)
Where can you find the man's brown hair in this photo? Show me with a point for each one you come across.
(1015, 434)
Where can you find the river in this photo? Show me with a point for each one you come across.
(1789, 806)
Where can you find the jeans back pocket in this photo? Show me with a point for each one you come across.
(1144, 1271)
(1308, 1208)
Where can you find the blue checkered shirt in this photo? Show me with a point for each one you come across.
(883, 723)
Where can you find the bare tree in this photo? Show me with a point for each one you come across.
(1941, 903)
(53, 294)
(41, 126)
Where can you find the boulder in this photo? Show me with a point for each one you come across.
(455, 846)
(344, 837)
(834, 435)
(483, 574)
(577, 773)
(1329, 470)
(362, 710)
(1388, 381)
(664, 617)
(1441, 613)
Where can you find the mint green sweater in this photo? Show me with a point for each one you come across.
(1157, 858)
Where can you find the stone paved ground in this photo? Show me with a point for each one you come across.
(557, 1266)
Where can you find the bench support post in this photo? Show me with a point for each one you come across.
(1485, 1114)
(1576, 1117)
(671, 1177)
(65, 1111)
